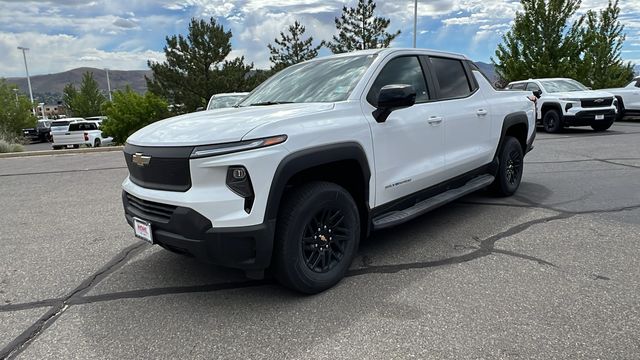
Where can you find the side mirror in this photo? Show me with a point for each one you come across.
(537, 93)
(393, 97)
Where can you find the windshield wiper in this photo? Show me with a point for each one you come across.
(267, 103)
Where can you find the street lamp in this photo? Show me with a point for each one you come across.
(24, 55)
(415, 21)
(108, 83)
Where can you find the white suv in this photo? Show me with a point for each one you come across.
(566, 102)
(320, 155)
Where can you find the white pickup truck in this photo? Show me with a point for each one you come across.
(565, 102)
(86, 133)
(628, 98)
(320, 155)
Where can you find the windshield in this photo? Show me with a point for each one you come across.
(568, 85)
(60, 123)
(224, 101)
(327, 80)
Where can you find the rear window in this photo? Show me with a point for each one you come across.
(83, 127)
(60, 123)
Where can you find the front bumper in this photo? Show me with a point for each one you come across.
(588, 117)
(184, 230)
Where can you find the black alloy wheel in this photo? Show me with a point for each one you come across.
(509, 174)
(317, 235)
(324, 240)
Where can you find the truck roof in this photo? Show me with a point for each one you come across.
(387, 51)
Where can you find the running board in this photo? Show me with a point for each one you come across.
(398, 217)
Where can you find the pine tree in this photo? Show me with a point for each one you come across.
(602, 65)
(195, 67)
(87, 101)
(540, 44)
(359, 29)
(291, 48)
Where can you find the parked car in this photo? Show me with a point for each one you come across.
(40, 133)
(98, 119)
(566, 102)
(86, 133)
(62, 125)
(320, 155)
(219, 101)
(628, 98)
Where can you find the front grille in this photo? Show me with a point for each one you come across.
(167, 169)
(599, 102)
(149, 210)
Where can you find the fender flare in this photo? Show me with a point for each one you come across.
(302, 160)
(515, 118)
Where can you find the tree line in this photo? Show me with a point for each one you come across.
(541, 43)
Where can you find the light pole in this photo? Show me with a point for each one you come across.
(108, 83)
(415, 21)
(24, 55)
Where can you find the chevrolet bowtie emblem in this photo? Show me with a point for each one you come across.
(141, 160)
(598, 101)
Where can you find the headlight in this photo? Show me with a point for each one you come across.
(221, 149)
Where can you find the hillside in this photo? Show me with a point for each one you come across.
(53, 84)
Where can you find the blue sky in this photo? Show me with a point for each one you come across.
(124, 34)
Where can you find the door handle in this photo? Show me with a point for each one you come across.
(482, 112)
(435, 120)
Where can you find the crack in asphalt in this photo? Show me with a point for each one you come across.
(23, 340)
(58, 306)
(577, 135)
(577, 161)
(63, 171)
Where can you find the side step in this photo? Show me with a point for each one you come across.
(398, 217)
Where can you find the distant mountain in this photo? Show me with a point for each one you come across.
(488, 69)
(49, 87)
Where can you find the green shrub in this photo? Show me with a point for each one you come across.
(5, 147)
(17, 148)
(130, 111)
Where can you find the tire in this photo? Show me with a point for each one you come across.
(56, 147)
(307, 258)
(96, 143)
(552, 122)
(602, 126)
(621, 110)
(509, 173)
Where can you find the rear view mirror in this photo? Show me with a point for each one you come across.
(393, 97)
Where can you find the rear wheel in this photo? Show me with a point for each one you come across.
(510, 170)
(316, 238)
(96, 143)
(552, 122)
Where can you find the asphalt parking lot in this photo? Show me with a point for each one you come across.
(549, 273)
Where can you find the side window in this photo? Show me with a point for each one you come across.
(532, 87)
(519, 86)
(402, 70)
(452, 78)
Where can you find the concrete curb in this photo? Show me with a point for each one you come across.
(61, 152)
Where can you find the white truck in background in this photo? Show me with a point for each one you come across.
(566, 102)
(86, 133)
(628, 98)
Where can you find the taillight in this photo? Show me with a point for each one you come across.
(86, 137)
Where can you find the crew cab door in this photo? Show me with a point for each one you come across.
(409, 145)
(467, 116)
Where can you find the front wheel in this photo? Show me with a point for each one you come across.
(602, 126)
(317, 236)
(510, 170)
(96, 143)
(552, 122)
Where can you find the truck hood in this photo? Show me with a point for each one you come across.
(591, 94)
(220, 125)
